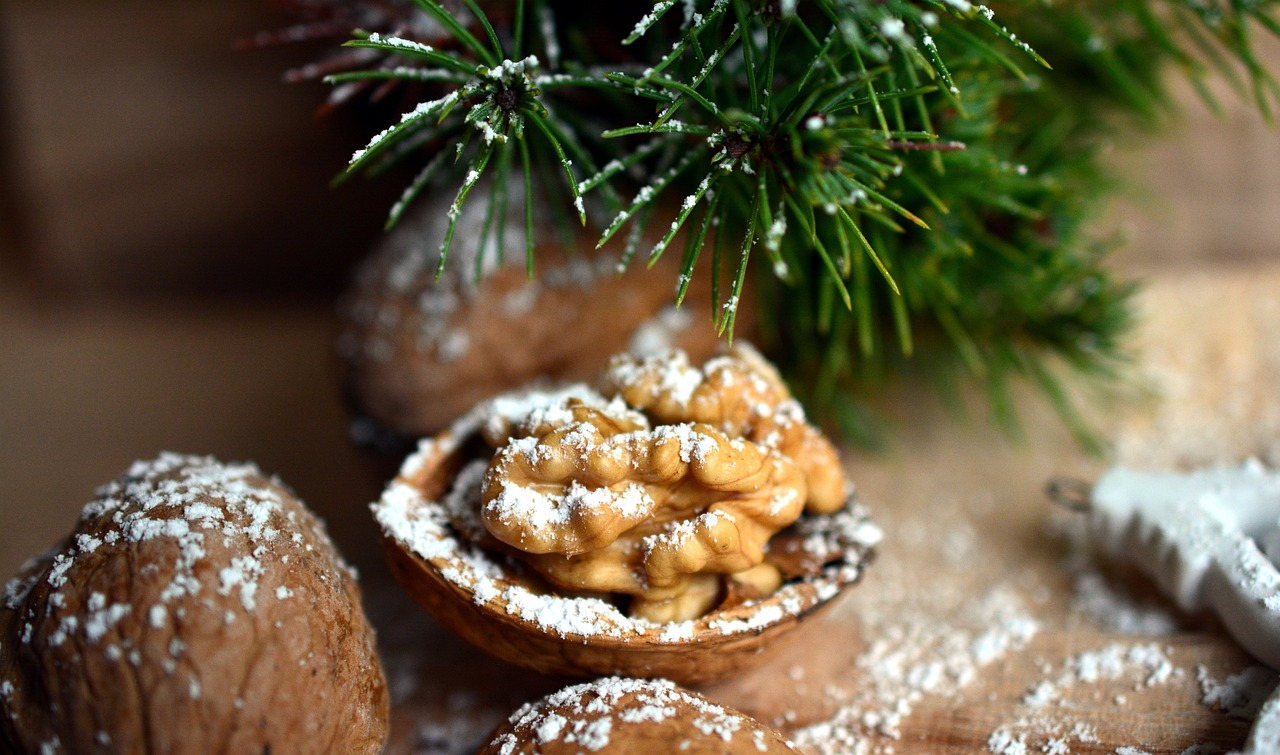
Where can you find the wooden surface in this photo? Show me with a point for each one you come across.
(987, 624)
(985, 599)
(144, 154)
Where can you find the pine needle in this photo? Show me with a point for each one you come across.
(929, 140)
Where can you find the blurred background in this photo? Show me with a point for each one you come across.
(170, 250)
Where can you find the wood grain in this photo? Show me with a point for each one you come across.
(979, 627)
(972, 545)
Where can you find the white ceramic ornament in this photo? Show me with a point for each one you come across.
(1211, 540)
(1198, 536)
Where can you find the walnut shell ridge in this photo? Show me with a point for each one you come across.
(195, 607)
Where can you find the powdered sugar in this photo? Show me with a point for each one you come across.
(102, 618)
(1240, 695)
(912, 655)
(1145, 665)
(540, 511)
(425, 529)
(1120, 611)
(675, 376)
(197, 504)
(658, 334)
(587, 715)
(1044, 720)
(541, 407)
(1055, 738)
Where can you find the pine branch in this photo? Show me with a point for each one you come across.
(486, 94)
(907, 168)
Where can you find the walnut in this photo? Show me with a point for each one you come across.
(570, 531)
(621, 715)
(740, 393)
(601, 504)
(419, 349)
(195, 607)
(599, 501)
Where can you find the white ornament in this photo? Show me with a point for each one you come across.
(1211, 540)
(1194, 534)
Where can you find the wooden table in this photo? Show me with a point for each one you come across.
(985, 625)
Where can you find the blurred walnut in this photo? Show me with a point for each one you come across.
(419, 351)
(634, 717)
(195, 607)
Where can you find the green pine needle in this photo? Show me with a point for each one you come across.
(916, 172)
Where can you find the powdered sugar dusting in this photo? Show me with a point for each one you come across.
(1240, 695)
(430, 530)
(677, 378)
(198, 504)
(536, 407)
(591, 715)
(913, 655)
(659, 333)
(540, 511)
(1044, 719)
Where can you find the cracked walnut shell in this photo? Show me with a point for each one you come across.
(196, 607)
(545, 517)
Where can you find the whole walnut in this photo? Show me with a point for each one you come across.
(421, 344)
(196, 607)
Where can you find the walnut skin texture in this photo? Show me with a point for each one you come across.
(631, 716)
(195, 607)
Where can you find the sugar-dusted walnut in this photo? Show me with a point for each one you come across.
(485, 590)
(420, 346)
(604, 504)
(195, 607)
(570, 531)
(632, 717)
(741, 393)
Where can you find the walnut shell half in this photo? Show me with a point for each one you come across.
(631, 716)
(196, 607)
(440, 551)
